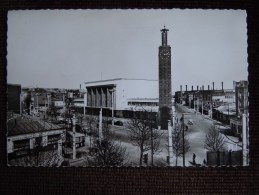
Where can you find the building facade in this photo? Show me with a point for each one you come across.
(25, 135)
(14, 98)
(118, 93)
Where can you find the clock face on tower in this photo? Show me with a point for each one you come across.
(164, 54)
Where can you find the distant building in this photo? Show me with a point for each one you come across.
(241, 90)
(205, 96)
(79, 138)
(14, 102)
(78, 102)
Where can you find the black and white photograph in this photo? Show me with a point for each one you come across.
(98, 88)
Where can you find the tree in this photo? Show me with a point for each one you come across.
(143, 135)
(90, 127)
(177, 137)
(109, 152)
(52, 111)
(27, 102)
(214, 141)
(68, 115)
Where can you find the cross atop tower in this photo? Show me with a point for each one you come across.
(164, 36)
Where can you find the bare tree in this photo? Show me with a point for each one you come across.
(143, 134)
(68, 115)
(109, 152)
(214, 141)
(177, 137)
(27, 102)
(52, 111)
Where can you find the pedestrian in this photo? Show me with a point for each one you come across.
(193, 159)
(204, 162)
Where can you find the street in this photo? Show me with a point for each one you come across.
(196, 133)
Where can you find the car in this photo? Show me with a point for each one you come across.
(119, 123)
(190, 122)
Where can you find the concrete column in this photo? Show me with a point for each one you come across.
(74, 137)
(32, 140)
(103, 98)
(92, 97)
(100, 126)
(88, 97)
(60, 147)
(170, 144)
(98, 99)
(44, 140)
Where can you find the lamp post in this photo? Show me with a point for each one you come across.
(244, 139)
(49, 99)
(85, 96)
(112, 91)
(21, 103)
(100, 126)
(74, 137)
(170, 143)
(183, 140)
(37, 95)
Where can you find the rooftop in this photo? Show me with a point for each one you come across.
(20, 126)
(116, 79)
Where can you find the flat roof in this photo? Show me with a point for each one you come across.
(116, 79)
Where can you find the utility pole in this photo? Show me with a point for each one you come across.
(100, 126)
(170, 143)
(197, 105)
(211, 108)
(152, 145)
(74, 137)
(20, 103)
(202, 107)
(183, 140)
(244, 141)
(112, 91)
(84, 102)
(64, 103)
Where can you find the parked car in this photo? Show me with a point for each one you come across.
(190, 122)
(119, 123)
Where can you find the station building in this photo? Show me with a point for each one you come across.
(121, 93)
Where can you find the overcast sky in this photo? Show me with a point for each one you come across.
(63, 49)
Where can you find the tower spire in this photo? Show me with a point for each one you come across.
(164, 36)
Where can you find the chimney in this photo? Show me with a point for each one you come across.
(222, 85)
(208, 87)
(192, 87)
(80, 86)
(186, 87)
(202, 87)
(181, 88)
(213, 86)
(197, 87)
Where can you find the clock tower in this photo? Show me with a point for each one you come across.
(165, 95)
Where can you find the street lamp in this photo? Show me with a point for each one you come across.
(112, 91)
(85, 96)
(49, 99)
(37, 95)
